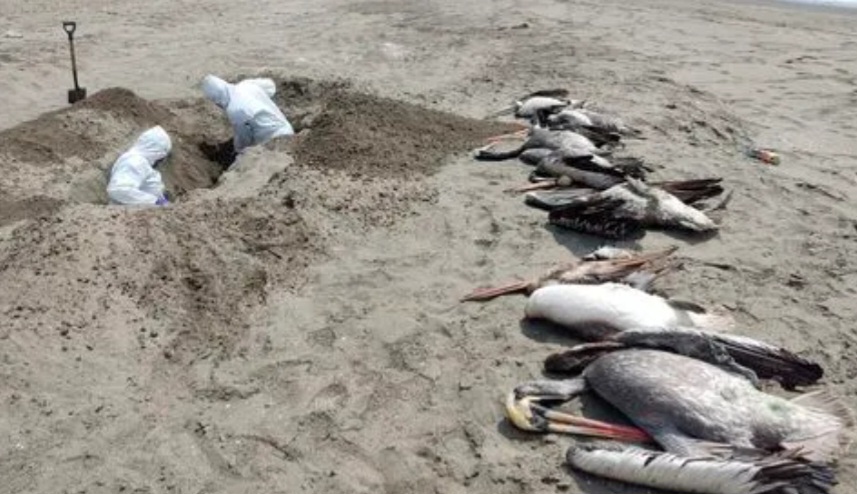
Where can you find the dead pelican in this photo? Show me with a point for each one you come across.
(720, 433)
(573, 144)
(558, 168)
(596, 312)
(633, 204)
(537, 105)
(576, 118)
(537, 108)
(577, 121)
(637, 270)
(551, 176)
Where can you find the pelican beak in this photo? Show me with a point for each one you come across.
(547, 184)
(483, 294)
(520, 134)
(527, 413)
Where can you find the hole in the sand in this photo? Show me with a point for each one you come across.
(223, 153)
(71, 151)
(365, 135)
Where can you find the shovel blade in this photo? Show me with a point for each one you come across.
(75, 95)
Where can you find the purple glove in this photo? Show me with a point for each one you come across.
(162, 201)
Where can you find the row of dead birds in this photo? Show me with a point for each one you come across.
(692, 389)
(586, 183)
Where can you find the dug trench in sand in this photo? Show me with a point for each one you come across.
(164, 296)
(83, 141)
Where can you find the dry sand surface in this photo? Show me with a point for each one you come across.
(293, 325)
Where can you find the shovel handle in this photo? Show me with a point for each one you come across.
(69, 27)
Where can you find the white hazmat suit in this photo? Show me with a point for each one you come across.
(133, 179)
(254, 116)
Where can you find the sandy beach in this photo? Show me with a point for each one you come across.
(293, 325)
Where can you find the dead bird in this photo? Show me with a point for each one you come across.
(719, 432)
(632, 204)
(584, 118)
(571, 143)
(558, 163)
(537, 105)
(635, 269)
(595, 312)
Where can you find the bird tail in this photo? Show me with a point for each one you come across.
(836, 440)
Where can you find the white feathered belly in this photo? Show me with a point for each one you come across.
(616, 305)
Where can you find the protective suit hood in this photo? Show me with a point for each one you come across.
(133, 179)
(153, 144)
(254, 116)
(217, 90)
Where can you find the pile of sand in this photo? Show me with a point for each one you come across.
(190, 272)
(66, 155)
(133, 307)
(372, 136)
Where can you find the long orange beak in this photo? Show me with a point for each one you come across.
(527, 414)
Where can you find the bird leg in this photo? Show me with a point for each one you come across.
(525, 411)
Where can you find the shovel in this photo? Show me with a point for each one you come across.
(78, 93)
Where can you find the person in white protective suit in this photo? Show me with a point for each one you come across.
(254, 116)
(134, 179)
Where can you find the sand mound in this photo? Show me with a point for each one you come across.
(189, 272)
(368, 135)
(30, 207)
(66, 155)
(365, 134)
(143, 319)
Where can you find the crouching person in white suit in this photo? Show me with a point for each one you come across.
(254, 116)
(134, 179)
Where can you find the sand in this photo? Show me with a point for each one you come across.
(293, 325)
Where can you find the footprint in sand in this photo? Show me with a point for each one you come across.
(330, 398)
